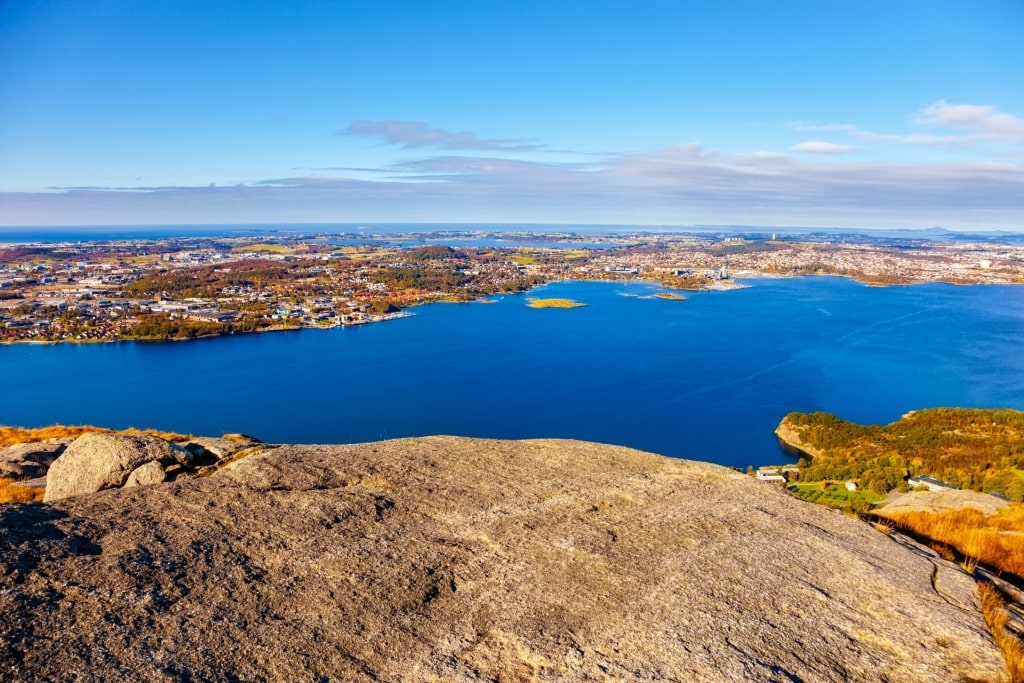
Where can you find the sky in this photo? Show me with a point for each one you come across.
(860, 114)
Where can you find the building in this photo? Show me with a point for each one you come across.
(772, 477)
(930, 483)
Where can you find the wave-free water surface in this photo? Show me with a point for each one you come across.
(708, 378)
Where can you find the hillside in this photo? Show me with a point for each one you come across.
(980, 450)
(464, 560)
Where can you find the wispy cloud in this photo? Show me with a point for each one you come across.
(819, 147)
(923, 139)
(826, 127)
(686, 184)
(977, 123)
(416, 134)
(466, 178)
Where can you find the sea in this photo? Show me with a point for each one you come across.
(708, 378)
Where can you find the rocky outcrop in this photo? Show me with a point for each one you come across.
(96, 461)
(30, 460)
(791, 439)
(943, 501)
(469, 560)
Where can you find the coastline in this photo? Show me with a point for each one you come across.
(716, 286)
(791, 443)
(156, 340)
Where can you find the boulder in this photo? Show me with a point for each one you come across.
(449, 559)
(96, 461)
(150, 473)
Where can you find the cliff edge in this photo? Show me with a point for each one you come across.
(459, 559)
(791, 437)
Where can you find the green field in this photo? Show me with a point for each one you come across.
(834, 494)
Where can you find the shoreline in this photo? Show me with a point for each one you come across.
(718, 286)
(158, 340)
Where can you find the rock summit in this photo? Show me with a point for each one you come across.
(453, 559)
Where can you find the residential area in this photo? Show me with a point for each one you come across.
(191, 287)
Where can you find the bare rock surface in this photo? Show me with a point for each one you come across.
(457, 559)
(943, 501)
(219, 449)
(96, 461)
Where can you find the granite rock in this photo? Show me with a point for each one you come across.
(146, 475)
(456, 559)
(96, 461)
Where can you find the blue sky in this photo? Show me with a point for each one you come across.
(850, 114)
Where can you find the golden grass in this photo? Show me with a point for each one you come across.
(13, 435)
(993, 606)
(553, 303)
(10, 493)
(994, 540)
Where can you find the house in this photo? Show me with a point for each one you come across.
(771, 476)
(851, 486)
(930, 483)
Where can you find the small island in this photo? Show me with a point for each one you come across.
(671, 296)
(554, 303)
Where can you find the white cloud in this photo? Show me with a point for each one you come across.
(819, 147)
(981, 120)
(978, 123)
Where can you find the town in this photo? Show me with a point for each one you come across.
(181, 288)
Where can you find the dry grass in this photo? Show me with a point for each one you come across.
(166, 436)
(13, 435)
(10, 493)
(883, 527)
(237, 438)
(993, 606)
(993, 540)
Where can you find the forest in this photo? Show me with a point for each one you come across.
(976, 449)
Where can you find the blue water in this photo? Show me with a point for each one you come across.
(707, 378)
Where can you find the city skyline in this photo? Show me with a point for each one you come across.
(878, 114)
